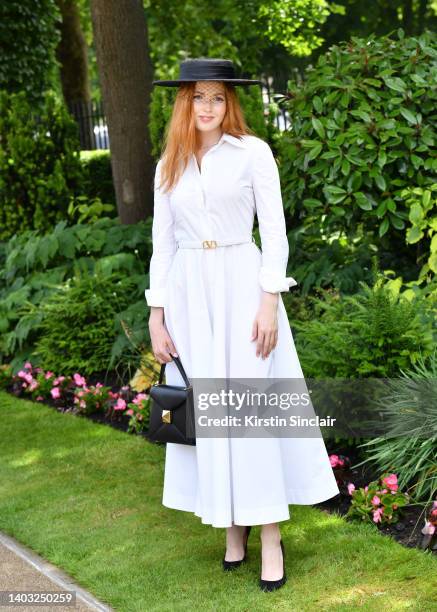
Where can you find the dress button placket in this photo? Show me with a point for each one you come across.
(201, 178)
(204, 203)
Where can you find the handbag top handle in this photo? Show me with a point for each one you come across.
(180, 368)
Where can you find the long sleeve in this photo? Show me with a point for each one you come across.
(270, 212)
(164, 245)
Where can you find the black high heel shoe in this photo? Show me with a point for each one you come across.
(272, 585)
(230, 565)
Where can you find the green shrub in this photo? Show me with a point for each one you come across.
(374, 333)
(363, 132)
(39, 163)
(37, 266)
(97, 177)
(28, 39)
(409, 412)
(77, 328)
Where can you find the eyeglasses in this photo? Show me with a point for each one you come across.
(216, 100)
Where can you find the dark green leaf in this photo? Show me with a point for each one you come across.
(383, 227)
(318, 126)
(408, 115)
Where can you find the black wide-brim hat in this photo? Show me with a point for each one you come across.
(207, 69)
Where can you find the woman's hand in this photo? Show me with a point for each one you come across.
(162, 344)
(265, 325)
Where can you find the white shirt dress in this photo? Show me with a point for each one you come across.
(210, 298)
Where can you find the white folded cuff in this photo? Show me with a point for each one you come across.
(273, 282)
(156, 297)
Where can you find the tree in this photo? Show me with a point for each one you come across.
(121, 42)
(72, 53)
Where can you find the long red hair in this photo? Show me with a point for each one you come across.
(180, 138)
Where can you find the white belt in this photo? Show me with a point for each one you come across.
(212, 244)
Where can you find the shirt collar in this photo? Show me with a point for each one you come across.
(233, 140)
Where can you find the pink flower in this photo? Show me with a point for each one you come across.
(333, 459)
(350, 488)
(340, 462)
(82, 403)
(48, 374)
(120, 405)
(28, 365)
(129, 412)
(33, 385)
(55, 392)
(434, 504)
(375, 500)
(391, 481)
(366, 488)
(377, 515)
(26, 376)
(39, 398)
(79, 380)
(139, 398)
(384, 491)
(429, 528)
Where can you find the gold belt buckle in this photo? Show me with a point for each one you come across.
(209, 244)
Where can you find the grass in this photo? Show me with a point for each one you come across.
(88, 498)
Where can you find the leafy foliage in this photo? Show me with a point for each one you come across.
(364, 131)
(28, 39)
(249, 33)
(299, 36)
(409, 411)
(35, 267)
(374, 333)
(77, 328)
(40, 168)
(97, 176)
(377, 503)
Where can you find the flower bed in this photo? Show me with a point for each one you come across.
(122, 407)
(364, 495)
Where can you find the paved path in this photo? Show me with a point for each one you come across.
(24, 570)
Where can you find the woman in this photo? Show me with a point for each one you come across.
(215, 302)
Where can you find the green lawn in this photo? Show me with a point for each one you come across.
(88, 498)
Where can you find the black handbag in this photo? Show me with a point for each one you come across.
(172, 410)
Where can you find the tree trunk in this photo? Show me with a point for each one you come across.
(421, 17)
(407, 17)
(72, 55)
(125, 71)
